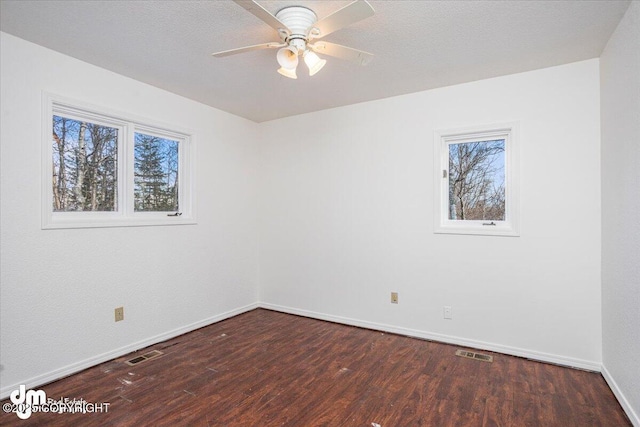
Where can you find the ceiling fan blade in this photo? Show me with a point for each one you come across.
(247, 49)
(350, 14)
(354, 55)
(260, 12)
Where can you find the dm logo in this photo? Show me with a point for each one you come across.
(26, 400)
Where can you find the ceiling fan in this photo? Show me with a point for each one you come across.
(300, 30)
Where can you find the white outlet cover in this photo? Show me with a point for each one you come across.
(448, 312)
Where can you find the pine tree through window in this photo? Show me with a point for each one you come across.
(156, 174)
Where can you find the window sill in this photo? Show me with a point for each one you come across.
(64, 223)
(505, 231)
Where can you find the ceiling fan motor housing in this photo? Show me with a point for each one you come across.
(300, 21)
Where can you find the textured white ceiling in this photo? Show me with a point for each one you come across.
(418, 45)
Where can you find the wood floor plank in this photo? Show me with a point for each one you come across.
(265, 368)
(497, 412)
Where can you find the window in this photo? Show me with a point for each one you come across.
(155, 174)
(85, 165)
(476, 181)
(104, 169)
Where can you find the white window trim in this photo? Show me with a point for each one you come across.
(127, 125)
(442, 138)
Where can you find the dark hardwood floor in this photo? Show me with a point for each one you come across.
(264, 368)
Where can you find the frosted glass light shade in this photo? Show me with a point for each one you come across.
(314, 62)
(288, 73)
(288, 57)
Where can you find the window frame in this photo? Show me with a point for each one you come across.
(442, 140)
(127, 125)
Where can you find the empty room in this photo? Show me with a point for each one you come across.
(320, 213)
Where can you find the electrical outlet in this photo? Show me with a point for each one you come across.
(394, 297)
(448, 313)
(119, 314)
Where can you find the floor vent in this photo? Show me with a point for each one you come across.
(139, 359)
(475, 356)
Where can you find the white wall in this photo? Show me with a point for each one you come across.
(60, 287)
(620, 84)
(347, 217)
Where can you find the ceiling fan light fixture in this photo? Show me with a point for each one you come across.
(288, 57)
(314, 62)
(297, 27)
(288, 73)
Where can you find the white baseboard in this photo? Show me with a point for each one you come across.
(513, 351)
(104, 357)
(635, 419)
